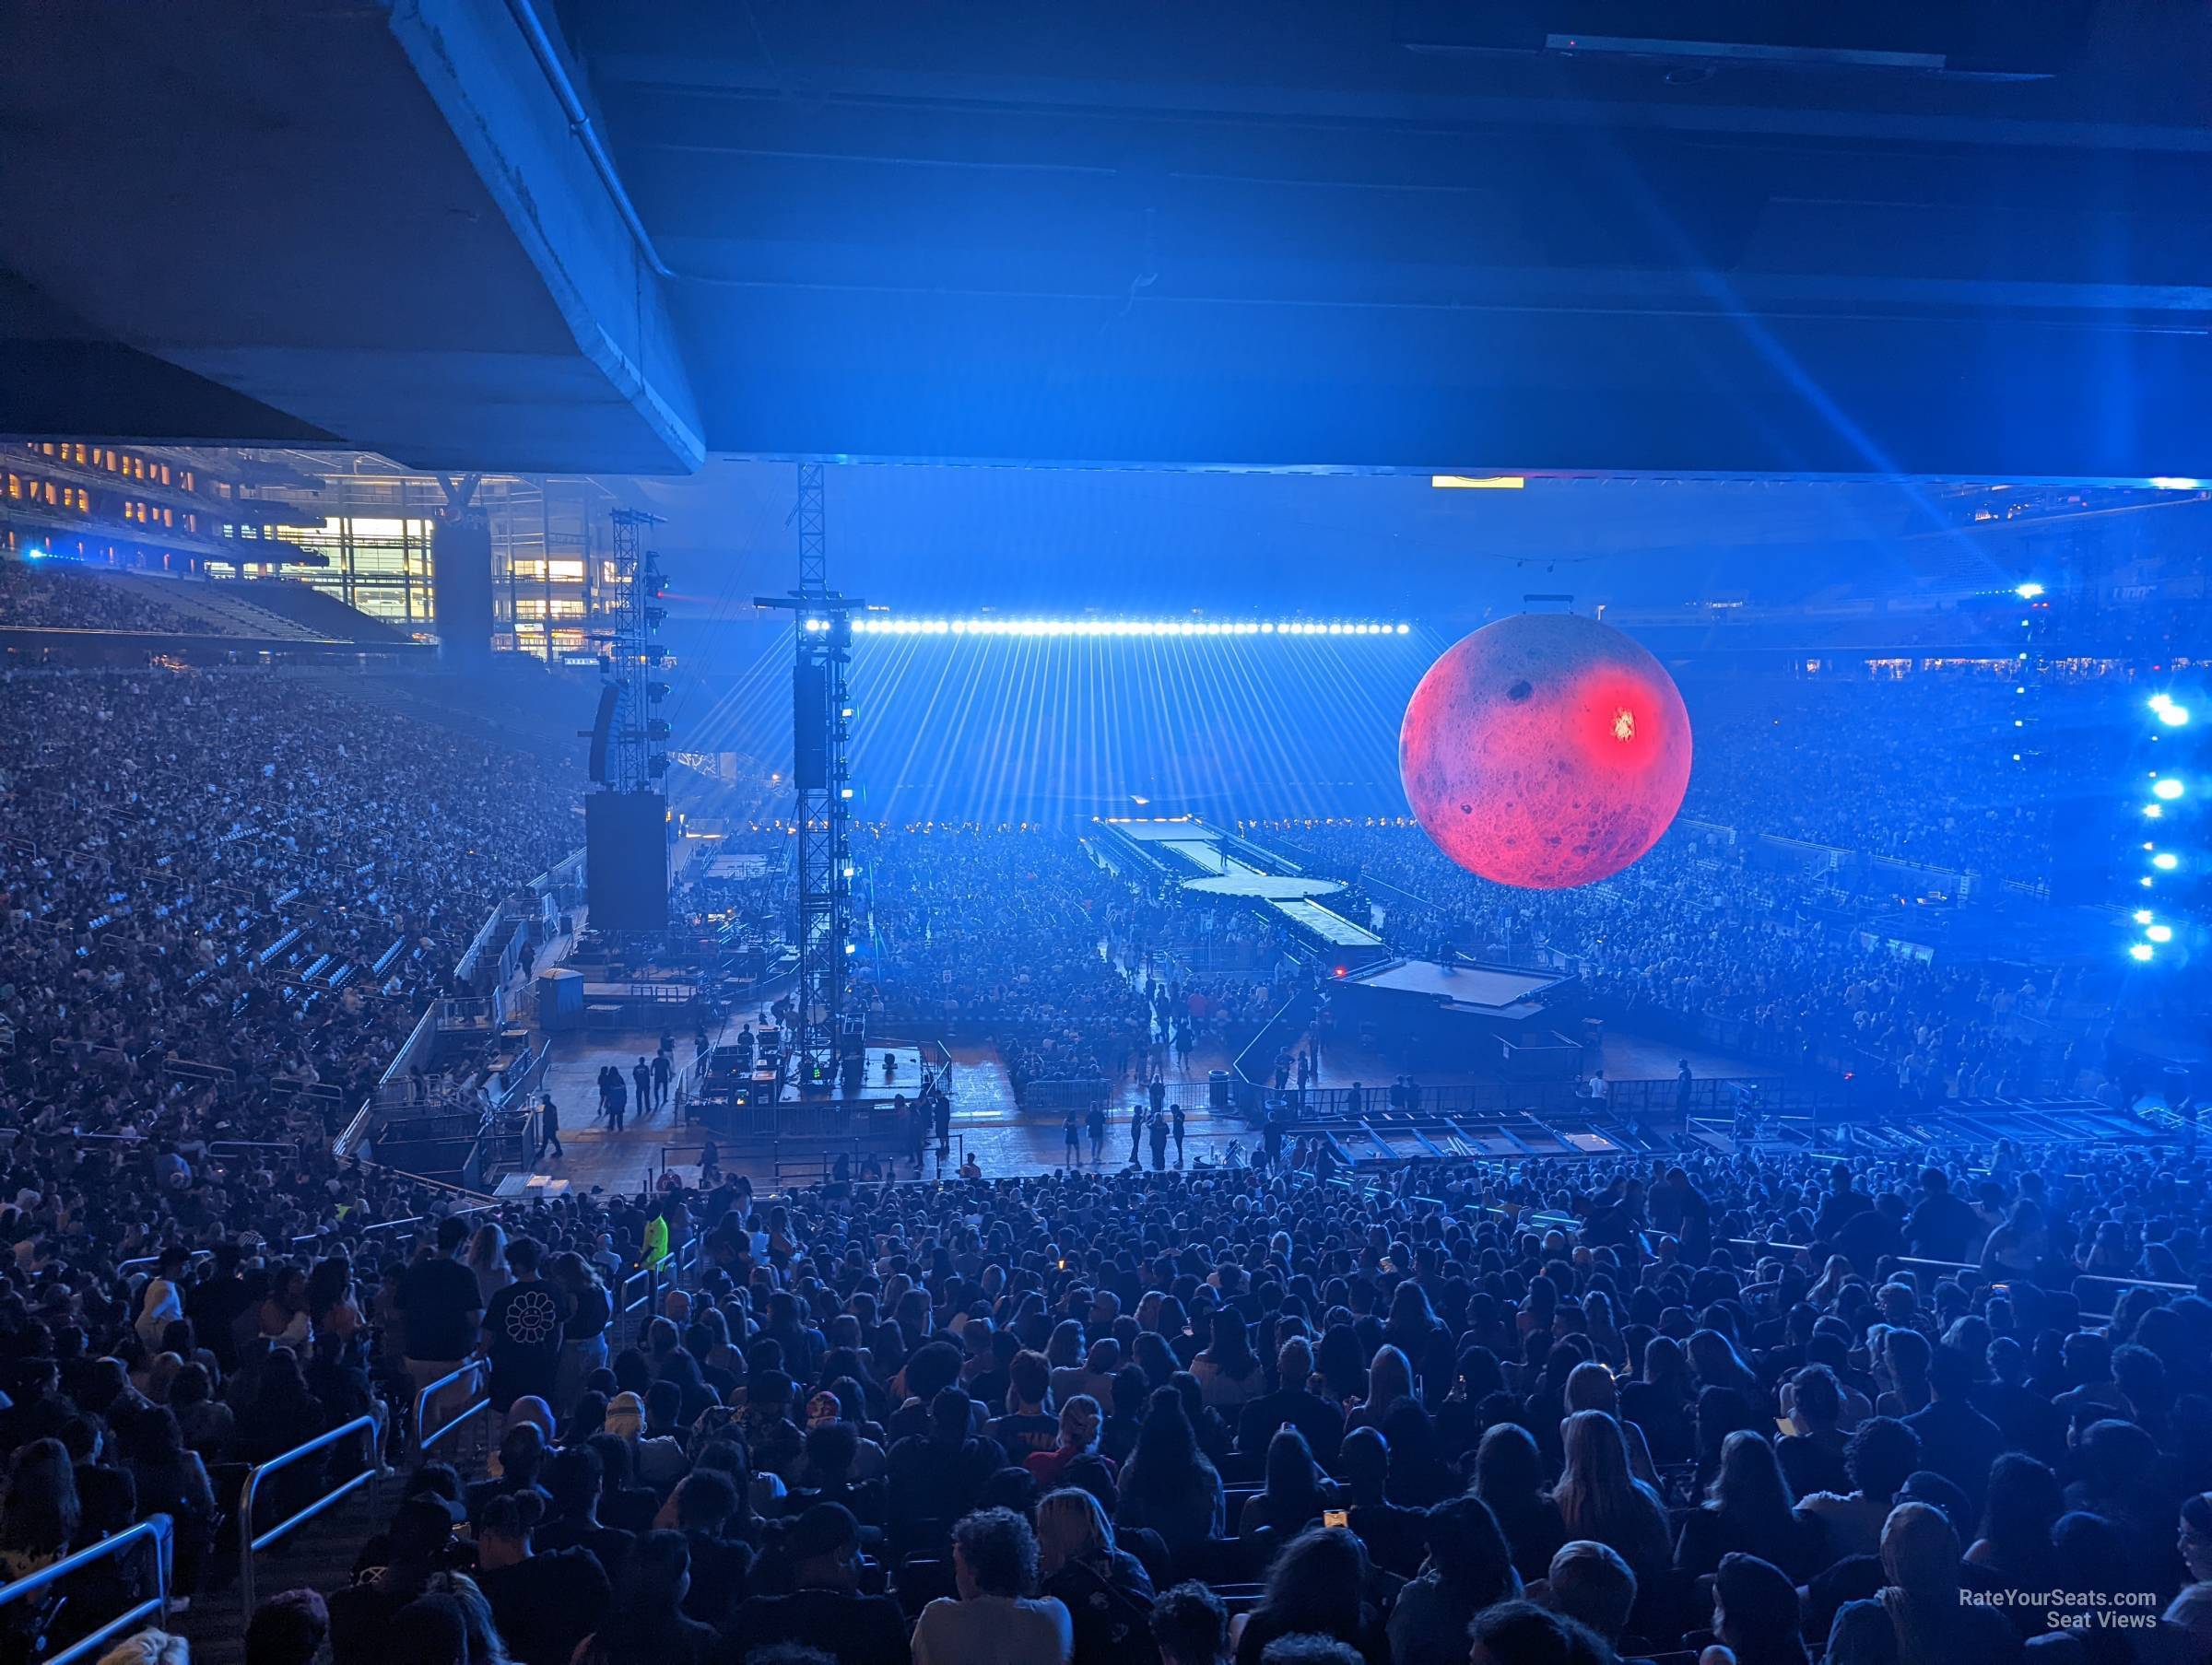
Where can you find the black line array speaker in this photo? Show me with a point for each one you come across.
(626, 861)
(810, 726)
(602, 727)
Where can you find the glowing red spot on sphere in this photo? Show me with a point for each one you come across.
(1544, 751)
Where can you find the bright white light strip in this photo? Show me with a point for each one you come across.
(882, 625)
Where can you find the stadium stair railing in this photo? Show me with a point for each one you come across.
(251, 1543)
(426, 1438)
(154, 1530)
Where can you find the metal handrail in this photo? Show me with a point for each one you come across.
(2098, 1277)
(125, 1267)
(476, 1407)
(154, 1527)
(251, 1542)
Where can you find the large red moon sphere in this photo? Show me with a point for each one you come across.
(1544, 751)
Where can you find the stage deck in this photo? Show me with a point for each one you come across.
(1491, 989)
(1262, 886)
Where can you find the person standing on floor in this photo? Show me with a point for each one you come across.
(1137, 1134)
(1160, 1143)
(548, 1128)
(1098, 1133)
(1072, 1141)
(1176, 1127)
(663, 1071)
(617, 1098)
(642, 1079)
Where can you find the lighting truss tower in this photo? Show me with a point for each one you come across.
(821, 729)
(637, 752)
(814, 542)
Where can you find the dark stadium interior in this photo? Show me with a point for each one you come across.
(860, 835)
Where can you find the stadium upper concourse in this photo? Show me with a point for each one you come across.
(717, 946)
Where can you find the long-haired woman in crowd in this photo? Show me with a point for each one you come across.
(39, 1517)
(1168, 1485)
(1317, 1588)
(1508, 1476)
(1600, 1499)
(1295, 1493)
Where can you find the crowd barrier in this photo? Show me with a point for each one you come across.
(638, 1294)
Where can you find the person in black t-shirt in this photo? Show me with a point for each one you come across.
(440, 1299)
(214, 1306)
(1026, 1427)
(523, 1331)
(827, 1611)
(647, 1624)
(721, 1565)
(1292, 1403)
(571, 1478)
(545, 1603)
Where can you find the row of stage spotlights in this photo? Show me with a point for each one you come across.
(2164, 790)
(878, 626)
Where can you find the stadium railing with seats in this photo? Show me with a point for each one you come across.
(251, 1543)
(426, 1438)
(1772, 1250)
(155, 1530)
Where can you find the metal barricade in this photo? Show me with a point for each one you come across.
(251, 1543)
(424, 1438)
(634, 1311)
(155, 1529)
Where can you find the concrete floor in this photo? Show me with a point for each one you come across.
(985, 1120)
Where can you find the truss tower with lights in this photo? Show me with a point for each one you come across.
(821, 731)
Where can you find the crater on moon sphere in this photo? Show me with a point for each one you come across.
(1562, 745)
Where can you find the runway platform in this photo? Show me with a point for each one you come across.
(1211, 863)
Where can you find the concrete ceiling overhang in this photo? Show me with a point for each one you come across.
(369, 221)
(1256, 233)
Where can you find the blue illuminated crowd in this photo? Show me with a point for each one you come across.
(1736, 1409)
(1779, 1407)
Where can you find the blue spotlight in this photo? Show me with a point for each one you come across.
(2140, 951)
(2165, 860)
(2169, 789)
(2028, 592)
(2160, 933)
